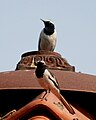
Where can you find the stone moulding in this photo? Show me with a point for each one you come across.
(52, 59)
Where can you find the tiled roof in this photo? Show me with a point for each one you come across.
(16, 86)
(25, 79)
(50, 109)
(70, 81)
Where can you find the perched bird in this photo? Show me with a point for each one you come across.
(48, 81)
(47, 39)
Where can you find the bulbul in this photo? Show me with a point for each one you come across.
(48, 81)
(47, 39)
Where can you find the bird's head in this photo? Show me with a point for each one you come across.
(49, 25)
(40, 64)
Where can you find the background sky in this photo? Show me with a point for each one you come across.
(75, 22)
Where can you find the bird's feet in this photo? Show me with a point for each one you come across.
(45, 95)
(43, 98)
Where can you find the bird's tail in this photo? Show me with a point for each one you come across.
(67, 105)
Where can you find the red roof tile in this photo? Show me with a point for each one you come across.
(25, 79)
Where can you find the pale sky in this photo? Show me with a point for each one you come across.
(75, 22)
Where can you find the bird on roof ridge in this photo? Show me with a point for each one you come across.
(48, 81)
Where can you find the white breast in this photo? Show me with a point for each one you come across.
(47, 42)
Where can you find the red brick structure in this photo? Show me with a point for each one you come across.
(20, 90)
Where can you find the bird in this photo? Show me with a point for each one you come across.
(49, 82)
(47, 38)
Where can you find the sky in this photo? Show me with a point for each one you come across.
(75, 21)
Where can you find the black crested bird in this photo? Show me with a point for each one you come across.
(48, 81)
(47, 39)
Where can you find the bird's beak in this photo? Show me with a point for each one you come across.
(42, 20)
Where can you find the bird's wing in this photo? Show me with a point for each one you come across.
(52, 78)
(40, 40)
(39, 43)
